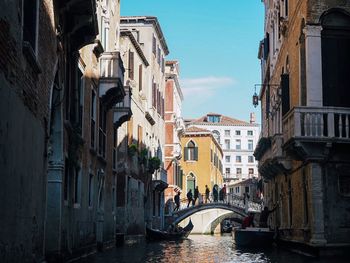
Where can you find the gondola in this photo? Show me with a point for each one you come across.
(252, 236)
(178, 233)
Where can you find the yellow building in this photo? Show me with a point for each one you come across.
(202, 160)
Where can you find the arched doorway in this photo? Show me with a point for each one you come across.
(191, 182)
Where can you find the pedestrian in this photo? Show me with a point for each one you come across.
(207, 192)
(248, 221)
(221, 195)
(177, 201)
(265, 215)
(224, 193)
(196, 195)
(215, 193)
(189, 197)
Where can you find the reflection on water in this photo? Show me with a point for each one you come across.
(197, 248)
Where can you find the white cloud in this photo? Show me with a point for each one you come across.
(205, 87)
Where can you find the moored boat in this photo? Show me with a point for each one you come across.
(178, 233)
(253, 236)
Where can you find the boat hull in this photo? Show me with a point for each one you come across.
(253, 237)
(158, 235)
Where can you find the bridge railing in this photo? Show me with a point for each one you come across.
(230, 198)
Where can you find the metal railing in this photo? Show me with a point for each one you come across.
(230, 199)
(317, 122)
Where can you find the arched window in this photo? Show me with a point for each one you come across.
(191, 182)
(191, 152)
(336, 58)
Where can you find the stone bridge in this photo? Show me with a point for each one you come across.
(206, 217)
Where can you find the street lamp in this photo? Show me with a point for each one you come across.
(255, 95)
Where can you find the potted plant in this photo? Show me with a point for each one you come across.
(153, 164)
(132, 149)
(143, 156)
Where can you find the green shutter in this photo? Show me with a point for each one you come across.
(196, 153)
(185, 153)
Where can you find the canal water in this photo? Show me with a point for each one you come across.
(197, 248)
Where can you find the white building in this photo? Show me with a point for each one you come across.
(143, 49)
(238, 140)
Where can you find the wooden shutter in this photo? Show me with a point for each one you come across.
(266, 46)
(185, 153)
(131, 65)
(195, 153)
(130, 128)
(140, 77)
(285, 93)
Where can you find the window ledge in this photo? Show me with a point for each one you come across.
(29, 54)
(76, 206)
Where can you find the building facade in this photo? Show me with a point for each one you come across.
(81, 189)
(201, 162)
(302, 152)
(174, 126)
(237, 139)
(146, 129)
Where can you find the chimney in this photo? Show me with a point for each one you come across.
(252, 117)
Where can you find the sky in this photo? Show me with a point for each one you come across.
(216, 44)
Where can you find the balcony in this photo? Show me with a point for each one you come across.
(111, 89)
(160, 179)
(80, 21)
(122, 110)
(271, 157)
(311, 131)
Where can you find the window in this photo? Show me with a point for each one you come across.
(93, 119)
(238, 171)
(251, 171)
(227, 132)
(250, 159)
(227, 144)
(66, 180)
(30, 23)
(102, 131)
(154, 95)
(131, 65)
(250, 133)
(250, 145)
(238, 144)
(237, 189)
(77, 185)
(238, 133)
(115, 136)
(228, 158)
(335, 60)
(91, 189)
(227, 171)
(140, 77)
(159, 56)
(191, 152)
(238, 159)
(213, 118)
(80, 93)
(154, 45)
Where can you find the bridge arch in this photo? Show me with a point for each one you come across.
(185, 213)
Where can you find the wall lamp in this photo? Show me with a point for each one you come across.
(255, 95)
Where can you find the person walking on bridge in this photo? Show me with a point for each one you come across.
(177, 201)
(207, 192)
(196, 195)
(189, 197)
